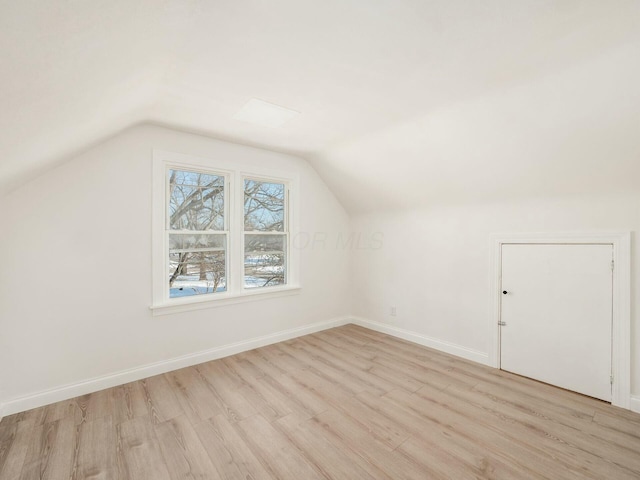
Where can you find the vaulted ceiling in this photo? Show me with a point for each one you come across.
(402, 102)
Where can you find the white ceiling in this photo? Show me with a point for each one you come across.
(429, 98)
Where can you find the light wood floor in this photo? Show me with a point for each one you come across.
(346, 403)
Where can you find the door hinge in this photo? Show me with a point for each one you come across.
(502, 324)
(611, 379)
(613, 262)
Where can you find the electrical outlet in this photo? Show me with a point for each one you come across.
(393, 311)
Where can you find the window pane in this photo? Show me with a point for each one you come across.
(179, 241)
(264, 260)
(263, 206)
(196, 201)
(197, 179)
(196, 273)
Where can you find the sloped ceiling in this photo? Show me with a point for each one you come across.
(402, 102)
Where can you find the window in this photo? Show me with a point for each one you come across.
(220, 234)
(197, 233)
(265, 234)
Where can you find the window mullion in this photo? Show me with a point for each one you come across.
(236, 240)
(288, 238)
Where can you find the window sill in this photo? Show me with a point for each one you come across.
(223, 299)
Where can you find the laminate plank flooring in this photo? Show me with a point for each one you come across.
(346, 403)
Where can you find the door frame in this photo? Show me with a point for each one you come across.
(621, 321)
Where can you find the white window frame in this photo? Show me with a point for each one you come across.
(167, 228)
(287, 223)
(162, 304)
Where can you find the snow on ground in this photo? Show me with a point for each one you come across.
(191, 285)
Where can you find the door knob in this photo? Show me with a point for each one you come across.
(504, 292)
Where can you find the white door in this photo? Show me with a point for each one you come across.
(556, 313)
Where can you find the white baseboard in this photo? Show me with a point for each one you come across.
(447, 347)
(634, 404)
(65, 392)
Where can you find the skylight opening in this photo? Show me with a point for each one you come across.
(265, 114)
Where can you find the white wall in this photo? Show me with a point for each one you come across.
(76, 267)
(434, 264)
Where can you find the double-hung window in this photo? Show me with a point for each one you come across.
(265, 233)
(197, 233)
(219, 234)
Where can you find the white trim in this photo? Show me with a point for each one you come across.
(634, 404)
(441, 345)
(2, 411)
(58, 394)
(621, 331)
